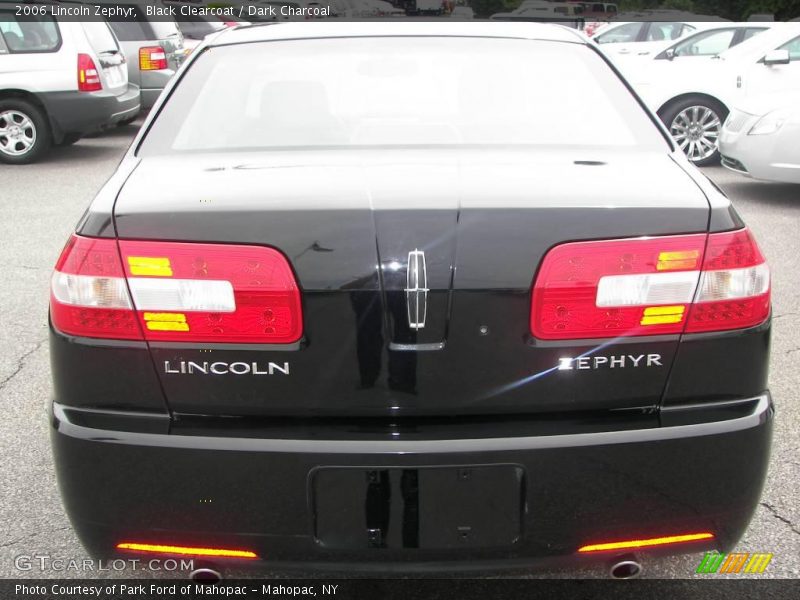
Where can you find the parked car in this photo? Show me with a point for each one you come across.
(462, 12)
(59, 80)
(634, 37)
(380, 321)
(712, 40)
(545, 12)
(600, 10)
(597, 14)
(761, 137)
(693, 97)
(567, 9)
(154, 48)
(428, 7)
(384, 9)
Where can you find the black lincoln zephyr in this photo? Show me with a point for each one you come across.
(404, 296)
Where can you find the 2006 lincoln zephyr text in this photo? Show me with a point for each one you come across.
(404, 296)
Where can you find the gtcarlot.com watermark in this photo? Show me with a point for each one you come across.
(45, 562)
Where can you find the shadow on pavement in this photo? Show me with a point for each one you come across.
(779, 195)
(77, 152)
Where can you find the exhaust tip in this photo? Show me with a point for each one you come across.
(625, 567)
(206, 576)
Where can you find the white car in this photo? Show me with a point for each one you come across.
(711, 40)
(462, 12)
(429, 7)
(59, 80)
(633, 37)
(761, 138)
(693, 97)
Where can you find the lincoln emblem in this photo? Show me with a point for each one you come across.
(416, 289)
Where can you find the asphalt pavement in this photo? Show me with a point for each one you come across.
(41, 204)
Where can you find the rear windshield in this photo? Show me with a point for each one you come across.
(140, 31)
(100, 37)
(197, 28)
(34, 34)
(398, 91)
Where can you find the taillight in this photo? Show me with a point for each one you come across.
(88, 293)
(152, 58)
(650, 286)
(183, 292)
(88, 77)
(734, 288)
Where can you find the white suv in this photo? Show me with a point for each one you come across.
(59, 80)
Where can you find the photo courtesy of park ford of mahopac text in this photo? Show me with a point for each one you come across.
(399, 299)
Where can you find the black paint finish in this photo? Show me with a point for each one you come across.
(460, 445)
(250, 493)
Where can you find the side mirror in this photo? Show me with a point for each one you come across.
(670, 53)
(777, 57)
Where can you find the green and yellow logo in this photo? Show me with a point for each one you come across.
(734, 562)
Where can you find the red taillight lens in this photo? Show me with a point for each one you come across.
(181, 292)
(152, 58)
(213, 292)
(734, 288)
(603, 289)
(88, 294)
(650, 286)
(88, 77)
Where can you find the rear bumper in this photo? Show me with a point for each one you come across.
(88, 112)
(153, 83)
(701, 470)
(149, 97)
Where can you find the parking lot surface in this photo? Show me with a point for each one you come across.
(41, 204)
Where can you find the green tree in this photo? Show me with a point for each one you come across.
(687, 5)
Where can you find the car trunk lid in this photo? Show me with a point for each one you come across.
(376, 236)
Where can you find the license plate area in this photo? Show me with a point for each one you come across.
(422, 507)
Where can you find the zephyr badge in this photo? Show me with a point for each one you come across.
(416, 289)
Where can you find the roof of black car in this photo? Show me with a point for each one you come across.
(322, 29)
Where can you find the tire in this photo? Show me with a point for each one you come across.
(695, 124)
(25, 133)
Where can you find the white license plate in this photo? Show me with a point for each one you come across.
(114, 76)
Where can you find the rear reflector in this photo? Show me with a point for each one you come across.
(170, 291)
(650, 286)
(646, 543)
(186, 550)
(152, 58)
(88, 77)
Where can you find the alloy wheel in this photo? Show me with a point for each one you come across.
(696, 130)
(17, 133)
